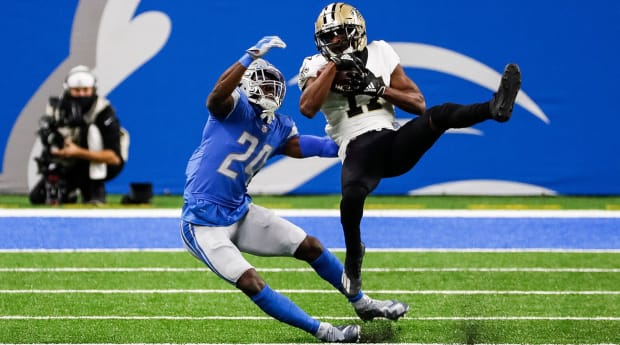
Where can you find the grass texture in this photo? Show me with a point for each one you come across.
(373, 202)
(169, 297)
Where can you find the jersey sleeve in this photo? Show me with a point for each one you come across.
(310, 69)
(382, 60)
(110, 129)
(242, 110)
(390, 57)
(287, 129)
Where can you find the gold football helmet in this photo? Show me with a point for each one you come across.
(340, 29)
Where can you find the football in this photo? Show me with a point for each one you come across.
(347, 81)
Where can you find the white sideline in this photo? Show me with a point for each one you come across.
(175, 213)
(368, 250)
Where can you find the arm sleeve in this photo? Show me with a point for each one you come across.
(311, 145)
(110, 129)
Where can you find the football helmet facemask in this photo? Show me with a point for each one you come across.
(340, 29)
(264, 85)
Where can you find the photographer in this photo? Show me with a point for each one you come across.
(81, 139)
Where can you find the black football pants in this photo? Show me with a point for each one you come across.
(387, 153)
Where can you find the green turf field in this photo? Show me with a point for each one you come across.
(168, 297)
(455, 297)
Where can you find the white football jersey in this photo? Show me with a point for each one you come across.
(349, 116)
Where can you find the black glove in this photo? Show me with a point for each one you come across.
(347, 62)
(375, 87)
(348, 82)
(368, 83)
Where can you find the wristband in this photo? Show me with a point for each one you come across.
(246, 60)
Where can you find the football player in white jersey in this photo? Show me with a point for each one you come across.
(219, 220)
(357, 85)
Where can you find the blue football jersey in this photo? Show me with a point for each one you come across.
(231, 151)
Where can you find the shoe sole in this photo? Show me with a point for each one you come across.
(508, 89)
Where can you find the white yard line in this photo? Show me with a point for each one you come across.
(282, 344)
(306, 291)
(286, 270)
(176, 213)
(267, 318)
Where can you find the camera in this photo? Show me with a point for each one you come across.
(65, 114)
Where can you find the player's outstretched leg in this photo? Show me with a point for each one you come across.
(368, 309)
(338, 334)
(504, 99)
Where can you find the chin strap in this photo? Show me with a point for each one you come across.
(267, 116)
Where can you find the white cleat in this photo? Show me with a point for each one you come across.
(338, 334)
(368, 309)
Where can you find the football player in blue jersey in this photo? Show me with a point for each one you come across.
(357, 85)
(219, 220)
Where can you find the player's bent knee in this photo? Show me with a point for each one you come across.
(354, 193)
(309, 249)
(355, 188)
(250, 282)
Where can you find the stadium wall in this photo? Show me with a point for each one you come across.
(157, 60)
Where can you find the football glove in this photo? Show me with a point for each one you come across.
(370, 84)
(348, 82)
(264, 44)
(347, 62)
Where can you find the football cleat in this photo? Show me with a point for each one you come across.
(368, 309)
(338, 334)
(504, 100)
(352, 276)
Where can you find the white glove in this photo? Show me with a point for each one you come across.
(264, 44)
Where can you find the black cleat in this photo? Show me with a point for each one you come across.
(504, 100)
(352, 275)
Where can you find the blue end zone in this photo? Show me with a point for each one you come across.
(377, 232)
